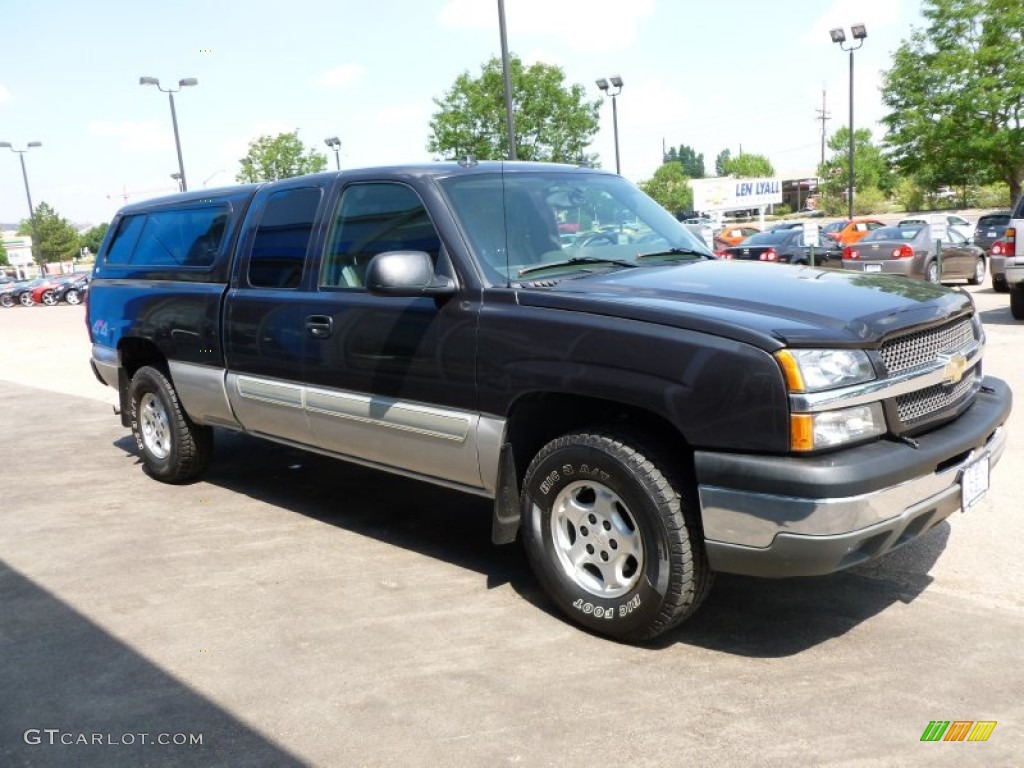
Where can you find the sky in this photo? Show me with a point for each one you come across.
(739, 74)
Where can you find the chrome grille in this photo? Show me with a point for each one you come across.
(903, 353)
(923, 403)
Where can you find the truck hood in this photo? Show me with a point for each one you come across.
(770, 305)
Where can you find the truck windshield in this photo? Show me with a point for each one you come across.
(519, 221)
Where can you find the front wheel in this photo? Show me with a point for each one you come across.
(72, 297)
(999, 284)
(611, 533)
(174, 449)
(26, 299)
(979, 272)
(931, 272)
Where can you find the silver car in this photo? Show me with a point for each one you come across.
(910, 250)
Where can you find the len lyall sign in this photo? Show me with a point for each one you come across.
(727, 193)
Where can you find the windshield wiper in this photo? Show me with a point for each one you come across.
(671, 252)
(572, 262)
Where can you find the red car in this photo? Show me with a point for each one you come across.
(38, 294)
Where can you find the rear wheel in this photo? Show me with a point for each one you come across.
(174, 448)
(611, 534)
(999, 284)
(1017, 302)
(49, 299)
(6, 300)
(979, 272)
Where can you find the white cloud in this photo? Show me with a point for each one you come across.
(145, 136)
(342, 76)
(584, 25)
(5, 95)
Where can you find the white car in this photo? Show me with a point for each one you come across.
(954, 222)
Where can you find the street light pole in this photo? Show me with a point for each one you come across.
(859, 32)
(510, 122)
(36, 254)
(174, 116)
(616, 83)
(334, 143)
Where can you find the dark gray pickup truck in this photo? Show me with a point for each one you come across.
(642, 414)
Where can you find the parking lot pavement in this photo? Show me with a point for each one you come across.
(292, 610)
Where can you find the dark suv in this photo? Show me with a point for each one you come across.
(990, 229)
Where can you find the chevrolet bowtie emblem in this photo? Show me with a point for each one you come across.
(954, 368)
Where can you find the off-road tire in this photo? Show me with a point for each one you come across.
(612, 481)
(174, 449)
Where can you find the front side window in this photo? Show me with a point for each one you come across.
(374, 218)
(282, 238)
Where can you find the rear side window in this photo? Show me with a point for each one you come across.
(123, 244)
(282, 238)
(182, 237)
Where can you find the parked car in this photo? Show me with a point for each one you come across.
(734, 234)
(785, 246)
(953, 222)
(785, 225)
(43, 293)
(9, 293)
(20, 292)
(988, 236)
(702, 227)
(69, 285)
(849, 231)
(910, 250)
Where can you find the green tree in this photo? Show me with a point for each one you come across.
(671, 187)
(58, 240)
(693, 164)
(871, 170)
(279, 157)
(956, 95)
(722, 162)
(92, 237)
(3, 257)
(747, 166)
(553, 122)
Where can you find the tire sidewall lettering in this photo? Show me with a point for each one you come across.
(640, 604)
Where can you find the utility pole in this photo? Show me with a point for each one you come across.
(823, 115)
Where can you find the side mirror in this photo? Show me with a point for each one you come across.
(405, 273)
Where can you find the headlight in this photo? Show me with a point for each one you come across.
(815, 370)
(827, 429)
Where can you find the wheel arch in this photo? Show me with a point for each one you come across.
(133, 353)
(537, 418)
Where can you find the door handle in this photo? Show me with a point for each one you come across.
(319, 326)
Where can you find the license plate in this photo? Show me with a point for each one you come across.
(974, 482)
(992, 233)
(872, 267)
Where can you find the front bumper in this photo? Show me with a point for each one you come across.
(804, 516)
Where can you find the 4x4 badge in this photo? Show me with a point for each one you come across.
(954, 368)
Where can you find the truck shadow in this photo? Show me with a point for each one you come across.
(773, 618)
(59, 670)
(742, 616)
(999, 316)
